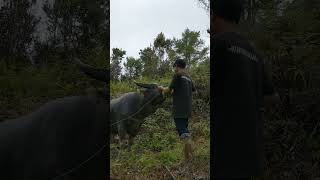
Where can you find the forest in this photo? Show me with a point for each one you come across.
(39, 39)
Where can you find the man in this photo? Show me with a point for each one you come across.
(181, 87)
(239, 86)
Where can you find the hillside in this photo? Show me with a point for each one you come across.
(157, 150)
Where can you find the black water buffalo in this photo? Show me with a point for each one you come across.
(64, 139)
(128, 112)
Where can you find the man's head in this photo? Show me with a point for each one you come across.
(225, 14)
(179, 65)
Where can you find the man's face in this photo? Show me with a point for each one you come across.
(176, 69)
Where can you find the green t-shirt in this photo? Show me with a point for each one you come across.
(182, 86)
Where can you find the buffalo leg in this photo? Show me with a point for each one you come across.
(122, 135)
(112, 139)
(131, 139)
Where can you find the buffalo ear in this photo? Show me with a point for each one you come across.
(142, 90)
(147, 85)
(95, 73)
(138, 84)
(143, 85)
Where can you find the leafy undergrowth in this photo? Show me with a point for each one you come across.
(158, 151)
(26, 89)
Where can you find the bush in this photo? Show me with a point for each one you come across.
(23, 89)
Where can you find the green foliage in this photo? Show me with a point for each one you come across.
(150, 62)
(157, 59)
(22, 90)
(288, 36)
(191, 48)
(147, 162)
(75, 24)
(162, 46)
(115, 63)
(16, 32)
(133, 67)
(117, 88)
(201, 78)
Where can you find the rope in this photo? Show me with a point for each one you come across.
(79, 165)
(105, 145)
(130, 116)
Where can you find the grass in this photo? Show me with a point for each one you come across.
(158, 147)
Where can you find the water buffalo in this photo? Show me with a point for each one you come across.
(128, 112)
(63, 139)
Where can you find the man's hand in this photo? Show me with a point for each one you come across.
(160, 88)
(164, 89)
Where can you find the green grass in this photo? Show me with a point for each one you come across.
(154, 150)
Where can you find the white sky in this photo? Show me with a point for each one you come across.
(134, 24)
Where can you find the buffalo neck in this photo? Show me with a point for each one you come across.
(146, 108)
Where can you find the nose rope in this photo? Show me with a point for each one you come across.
(140, 109)
(79, 165)
(104, 146)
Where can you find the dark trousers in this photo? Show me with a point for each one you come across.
(181, 125)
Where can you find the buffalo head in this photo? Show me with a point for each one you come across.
(151, 93)
(95, 73)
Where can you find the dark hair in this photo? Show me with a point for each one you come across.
(179, 63)
(229, 10)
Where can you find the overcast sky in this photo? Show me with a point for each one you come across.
(136, 23)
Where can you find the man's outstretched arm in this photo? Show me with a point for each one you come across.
(171, 86)
(165, 89)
